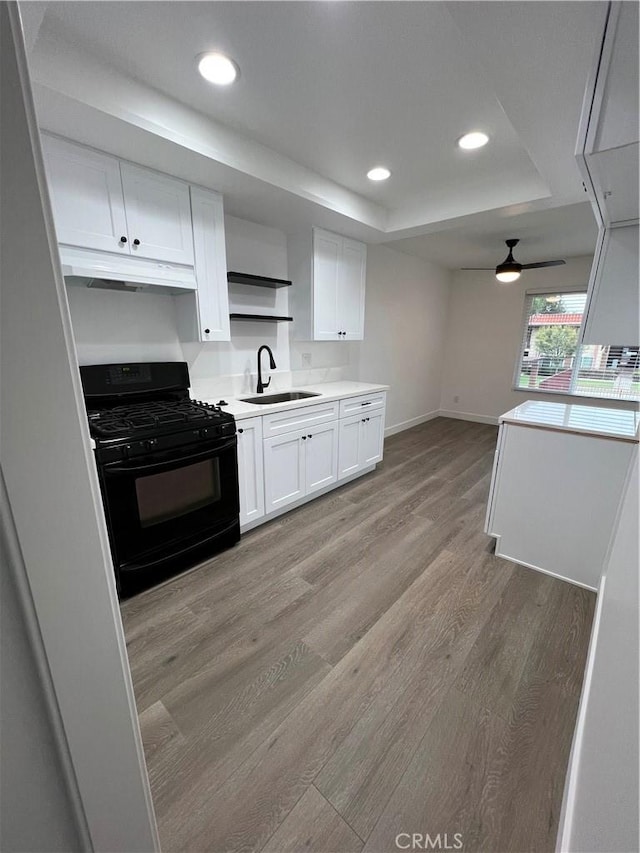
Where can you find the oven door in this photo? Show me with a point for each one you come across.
(167, 502)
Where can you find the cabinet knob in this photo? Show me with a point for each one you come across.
(206, 331)
(123, 239)
(240, 429)
(366, 419)
(304, 437)
(363, 420)
(309, 436)
(136, 242)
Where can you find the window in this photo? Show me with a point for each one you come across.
(552, 360)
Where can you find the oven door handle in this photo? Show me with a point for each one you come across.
(156, 467)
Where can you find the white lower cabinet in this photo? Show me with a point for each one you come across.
(321, 457)
(283, 470)
(361, 442)
(285, 458)
(250, 470)
(299, 463)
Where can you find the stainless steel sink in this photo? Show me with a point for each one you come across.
(285, 397)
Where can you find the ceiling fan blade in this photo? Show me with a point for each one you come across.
(478, 268)
(543, 264)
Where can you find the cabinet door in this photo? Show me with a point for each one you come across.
(349, 452)
(321, 457)
(211, 266)
(250, 469)
(283, 470)
(326, 262)
(351, 288)
(86, 193)
(614, 303)
(158, 215)
(372, 438)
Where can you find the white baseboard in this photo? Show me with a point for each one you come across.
(421, 419)
(468, 416)
(556, 575)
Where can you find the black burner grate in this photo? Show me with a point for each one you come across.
(138, 417)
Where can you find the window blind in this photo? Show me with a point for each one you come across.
(552, 360)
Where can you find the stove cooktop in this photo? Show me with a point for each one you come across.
(154, 417)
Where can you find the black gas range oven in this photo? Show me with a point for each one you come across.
(167, 466)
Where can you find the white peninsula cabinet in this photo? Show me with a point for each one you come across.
(328, 273)
(558, 477)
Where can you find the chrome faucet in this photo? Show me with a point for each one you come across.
(272, 364)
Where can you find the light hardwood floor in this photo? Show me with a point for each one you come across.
(362, 667)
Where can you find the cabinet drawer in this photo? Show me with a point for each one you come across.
(353, 405)
(293, 419)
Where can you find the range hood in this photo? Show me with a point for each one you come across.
(86, 268)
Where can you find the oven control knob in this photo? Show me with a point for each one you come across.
(203, 433)
(150, 443)
(125, 451)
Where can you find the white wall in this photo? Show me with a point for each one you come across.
(405, 324)
(602, 793)
(116, 326)
(484, 333)
(34, 801)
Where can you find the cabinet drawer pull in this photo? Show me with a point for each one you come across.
(366, 404)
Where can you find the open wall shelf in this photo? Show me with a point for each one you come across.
(263, 318)
(257, 280)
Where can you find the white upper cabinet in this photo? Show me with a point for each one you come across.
(351, 288)
(204, 315)
(103, 203)
(328, 273)
(614, 302)
(608, 138)
(86, 192)
(158, 215)
(607, 151)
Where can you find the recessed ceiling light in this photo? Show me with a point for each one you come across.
(217, 68)
(475, 139)
(379, 173)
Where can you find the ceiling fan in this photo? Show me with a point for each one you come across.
(510, 269)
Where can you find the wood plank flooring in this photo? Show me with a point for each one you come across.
(363, 667)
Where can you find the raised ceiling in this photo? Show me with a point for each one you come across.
(327, 90)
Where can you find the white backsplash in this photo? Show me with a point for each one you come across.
(245, 384)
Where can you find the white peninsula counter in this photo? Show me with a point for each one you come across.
(558, 477)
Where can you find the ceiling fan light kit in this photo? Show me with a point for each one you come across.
(509, 270)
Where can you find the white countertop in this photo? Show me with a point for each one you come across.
(326, 392)
(620, 424)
